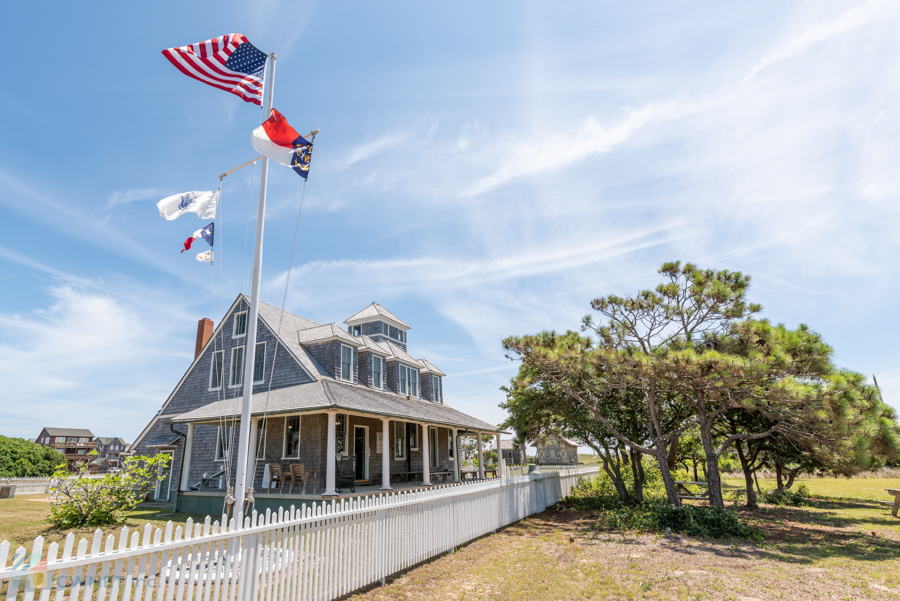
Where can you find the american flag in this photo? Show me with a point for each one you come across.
(229, 62)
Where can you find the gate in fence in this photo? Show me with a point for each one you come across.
(320, 552)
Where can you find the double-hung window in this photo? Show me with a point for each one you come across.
(376, 371)
(259, 362)
(237, 366)
(215, 370)
(399, 440)
(340, 433)
(433, 447)
(414, 437)
(240, 324)
(409, 381)
(385, 330)
(292, 437)
(261, 438)
(346, 363)
(450, 443)
(223, 443)
(436, 389)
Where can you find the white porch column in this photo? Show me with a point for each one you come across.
(186, 459)
(254, 438)
(480, 456)
(426, 456)
(386, 448)
(500, 466)
(456, 458)
(330, 450)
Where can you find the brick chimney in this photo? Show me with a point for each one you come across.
(204, 331)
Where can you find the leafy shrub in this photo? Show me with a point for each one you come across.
(101, 501)
(655, 514)
(20, 458)
(794, 498)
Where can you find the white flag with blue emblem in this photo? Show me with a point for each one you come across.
(200, 203)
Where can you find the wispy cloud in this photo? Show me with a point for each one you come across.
(120, 197)
(369, 149)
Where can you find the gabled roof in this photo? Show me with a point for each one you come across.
(331, 331)
(68, 432)
(375, 311)
(109, 440)
(331, 394)
(428, 367)
(376, 347)
(398, 354)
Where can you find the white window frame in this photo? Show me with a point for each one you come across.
(385, 329)
(234, 323)
(261, 435)
(349, 377)
(240, 372)
(450, 444)
(414, 393)
(212, 366)
(415, 432)
(263, 379)
(220, 445)
(346, 428)
(403, 379)
(284, 440)
(381, 362)
(433, 450)
(356, 330)
(394, 440)
(436, 392)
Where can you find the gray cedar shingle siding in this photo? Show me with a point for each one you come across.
(329, 355)
(195, 393)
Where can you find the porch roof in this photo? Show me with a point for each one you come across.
(324, 395)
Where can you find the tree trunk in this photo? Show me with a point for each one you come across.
(637, 472)
(748, 474)
(663, 459)
(778, 479)
(613, 469)
(696, 479)
(791, 475)
(713, 478)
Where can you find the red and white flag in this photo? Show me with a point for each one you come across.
(276, 139)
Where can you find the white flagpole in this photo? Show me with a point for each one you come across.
(240, 483)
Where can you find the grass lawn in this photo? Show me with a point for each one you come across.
(842, 546)
(22, 520)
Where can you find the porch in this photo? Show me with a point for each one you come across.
(336, 447)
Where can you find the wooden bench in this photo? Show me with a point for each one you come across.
(442, 475)
(406, 476)
(474, 473)
(683, 492)
(895, 504)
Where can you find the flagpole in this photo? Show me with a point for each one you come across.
(240, 483)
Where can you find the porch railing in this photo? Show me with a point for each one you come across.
(320, 552)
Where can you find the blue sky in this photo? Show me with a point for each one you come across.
(483, 170)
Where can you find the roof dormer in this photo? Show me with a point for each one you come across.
(378, 323)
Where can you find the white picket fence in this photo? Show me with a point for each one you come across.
(307, 553)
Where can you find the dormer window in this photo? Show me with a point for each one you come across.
(385, 329)
(346, 363)
(376, 372)
(436, 389)
(409, 381)
(356, 330)
(240, 324)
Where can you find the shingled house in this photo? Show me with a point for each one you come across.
(334, 392)
(75, 443)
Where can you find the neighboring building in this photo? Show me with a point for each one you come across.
(111, 452)
(554, 449)
(511, 454)
(75, 443)
(334, 392)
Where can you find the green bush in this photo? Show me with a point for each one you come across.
(102, 501)
(22, 459)
(793, 498)
(655, 514)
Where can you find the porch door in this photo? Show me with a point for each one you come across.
(162, 487)
(359, 449)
